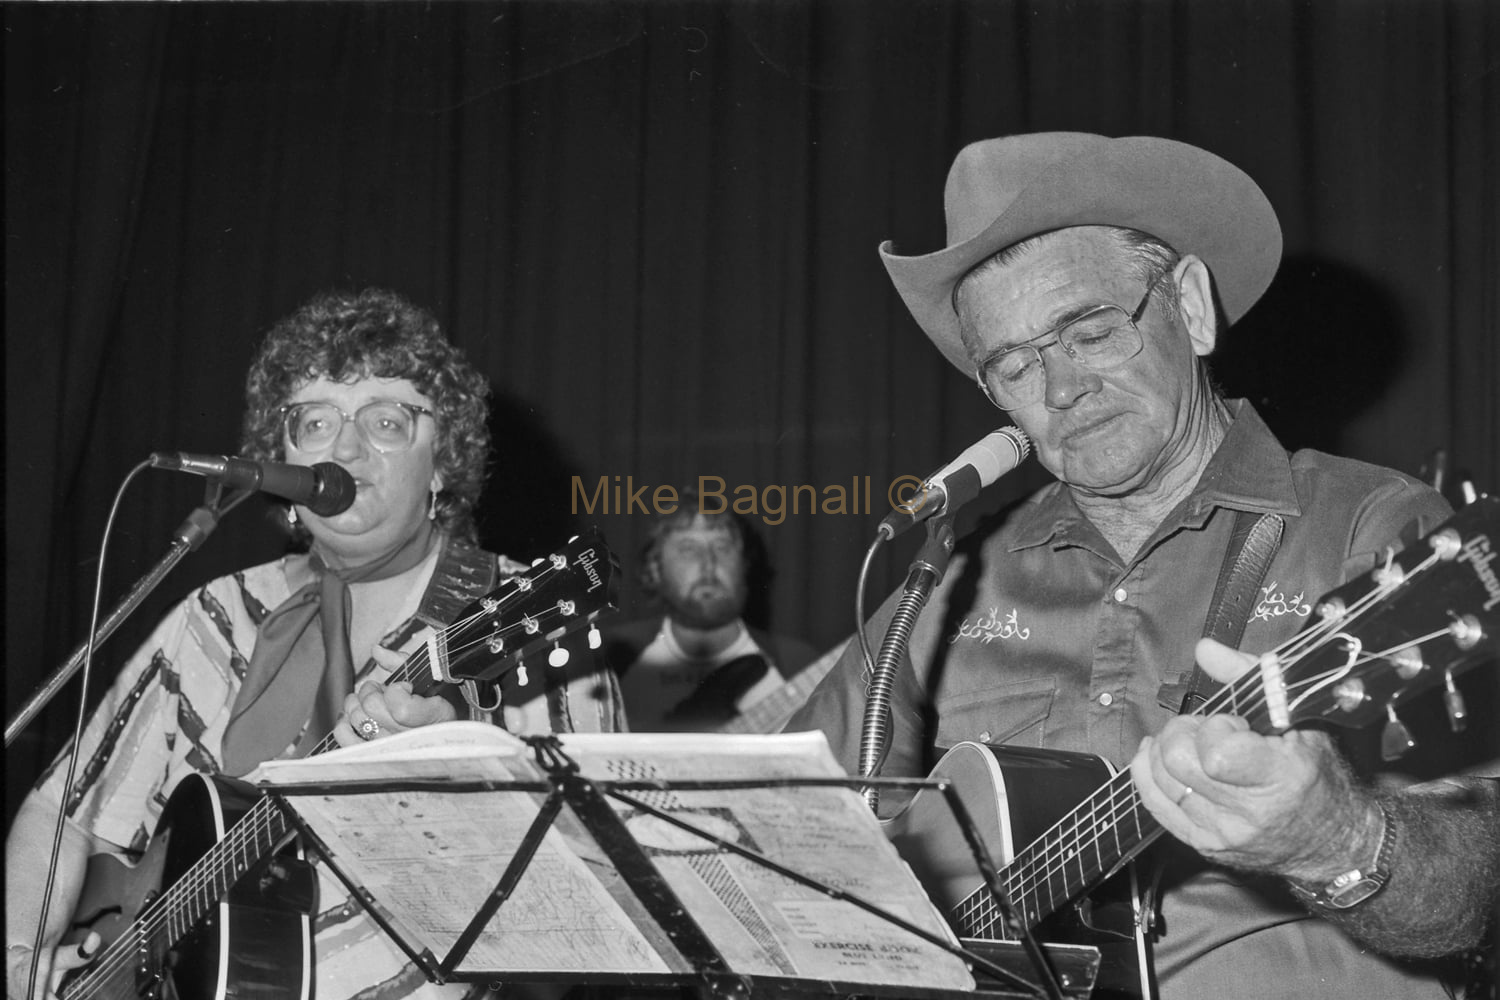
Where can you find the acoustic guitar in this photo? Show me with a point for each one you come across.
(1060, 826)
(233, 918)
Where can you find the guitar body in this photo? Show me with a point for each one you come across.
(1062, 826)
(232, 917)
(256, 942)
(1013, 795)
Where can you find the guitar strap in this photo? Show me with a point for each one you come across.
(1253, 542)
(1252, 545)
(464, 574)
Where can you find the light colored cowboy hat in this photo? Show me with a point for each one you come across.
(1001, 191)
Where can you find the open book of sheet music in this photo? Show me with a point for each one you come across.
(431, 858)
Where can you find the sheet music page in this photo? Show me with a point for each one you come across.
(432, 858)
(761, 921)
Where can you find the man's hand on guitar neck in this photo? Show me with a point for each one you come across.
(377, 710)
(1286, 804)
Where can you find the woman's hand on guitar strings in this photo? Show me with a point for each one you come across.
(53, 967)
(377, 710)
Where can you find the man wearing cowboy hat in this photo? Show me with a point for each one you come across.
(1085, 281)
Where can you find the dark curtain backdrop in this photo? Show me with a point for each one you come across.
(653, 225)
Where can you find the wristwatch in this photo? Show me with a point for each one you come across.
(1357, 884)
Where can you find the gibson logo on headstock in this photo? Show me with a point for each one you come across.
(588, 559)
(1478, 553)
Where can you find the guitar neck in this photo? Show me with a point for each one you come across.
(1424, 614)
(564, 592)
(1098, 838)
(772, 712)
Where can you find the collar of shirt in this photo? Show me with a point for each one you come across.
(1250, 471)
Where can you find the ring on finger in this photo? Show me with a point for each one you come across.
(368, 728)
(1187, 790)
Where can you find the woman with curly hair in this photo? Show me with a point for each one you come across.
(266, 662)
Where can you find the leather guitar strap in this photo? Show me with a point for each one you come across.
(1253, 542)
(1252, 545)
(464, 574)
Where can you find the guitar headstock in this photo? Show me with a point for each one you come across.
(562, 592)
(1409, 625)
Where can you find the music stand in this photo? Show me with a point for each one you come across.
(692, 953)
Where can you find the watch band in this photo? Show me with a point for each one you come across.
(1356, 885)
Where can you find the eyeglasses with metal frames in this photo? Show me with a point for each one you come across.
(388, 425)
(1100, 339)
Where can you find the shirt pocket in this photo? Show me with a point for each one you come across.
(1014, 713)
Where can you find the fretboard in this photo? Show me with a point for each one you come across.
(771, 712)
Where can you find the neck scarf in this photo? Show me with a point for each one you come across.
(295, 668)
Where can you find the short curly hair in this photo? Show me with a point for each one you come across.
(376, 334)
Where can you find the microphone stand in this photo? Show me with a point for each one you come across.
(190, 534)
(926, 572)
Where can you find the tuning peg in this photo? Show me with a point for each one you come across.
(1331, 609)
(1391, 574)
(1445, 543)
(1465, 630)
(1453, 701)
(1395, 739)
(521, 679)
(595, 639)
(558, 657)
(1408, 662)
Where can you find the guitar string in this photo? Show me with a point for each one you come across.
(1299, 645)
(1133, 806)
(1054, 852)
(1055, 857)
(260, 819)
(121, 954)
(1310, 684)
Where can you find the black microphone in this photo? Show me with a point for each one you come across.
(325, 489)
(960, 481)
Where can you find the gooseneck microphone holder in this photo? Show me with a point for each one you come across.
(926, 572)
(190, 534)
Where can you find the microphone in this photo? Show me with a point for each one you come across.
(960, 481)
(325, 489)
